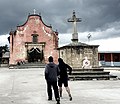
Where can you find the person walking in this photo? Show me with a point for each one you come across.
(63, 79)
(51, 73)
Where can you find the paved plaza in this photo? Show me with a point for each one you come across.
(28, 86)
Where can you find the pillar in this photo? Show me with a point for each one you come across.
(112, 60)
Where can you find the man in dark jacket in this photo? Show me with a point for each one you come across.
(64, 77)
(51, 73)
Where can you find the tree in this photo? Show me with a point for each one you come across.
(5, 49)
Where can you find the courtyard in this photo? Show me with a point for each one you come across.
(28, 86)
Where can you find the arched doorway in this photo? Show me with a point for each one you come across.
(35, 55)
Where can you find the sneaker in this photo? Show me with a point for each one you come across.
(58, 102)
(49, 99)
(70, 98)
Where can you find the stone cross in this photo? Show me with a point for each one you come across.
(34, 11)
(74, 20)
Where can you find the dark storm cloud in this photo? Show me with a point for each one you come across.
(97, 15)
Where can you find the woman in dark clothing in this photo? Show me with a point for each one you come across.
(63, 79)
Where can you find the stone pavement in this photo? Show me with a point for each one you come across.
(28, 86)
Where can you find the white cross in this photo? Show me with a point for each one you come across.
(34, 11)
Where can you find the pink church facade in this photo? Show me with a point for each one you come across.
(33, 41)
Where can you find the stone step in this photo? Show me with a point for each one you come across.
(33, 63)
(91, 77)
(24, 67)
(90, 69)
(90, 73)
(29, 65)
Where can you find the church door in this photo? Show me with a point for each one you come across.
(35, 55)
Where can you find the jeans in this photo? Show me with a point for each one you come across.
(55, 88)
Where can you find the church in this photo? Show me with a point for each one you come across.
(33, 41)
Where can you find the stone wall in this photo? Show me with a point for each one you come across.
(74, 56)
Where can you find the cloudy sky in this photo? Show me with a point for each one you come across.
(100, 18)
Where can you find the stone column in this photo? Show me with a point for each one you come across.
(112, 60)
(99, 59)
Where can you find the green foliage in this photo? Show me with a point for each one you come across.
(3, 48)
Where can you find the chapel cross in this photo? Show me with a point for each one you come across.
(34, 11)
(74, 20)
